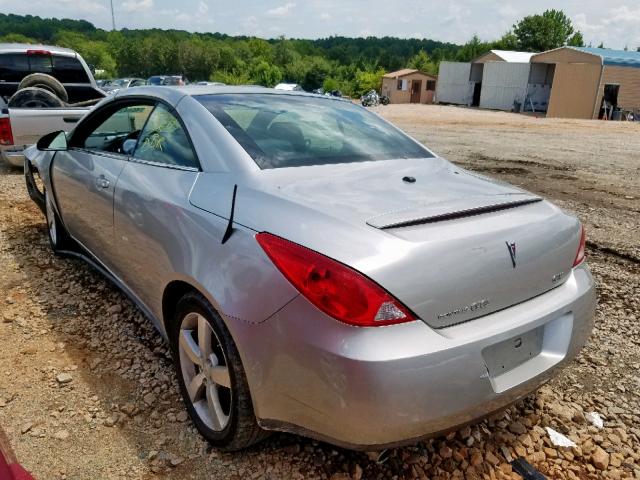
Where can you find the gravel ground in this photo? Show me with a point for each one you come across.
(87, 389)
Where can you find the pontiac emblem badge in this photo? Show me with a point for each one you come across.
(512, 252)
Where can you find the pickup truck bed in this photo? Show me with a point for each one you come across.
(28, 125)
(20, 127)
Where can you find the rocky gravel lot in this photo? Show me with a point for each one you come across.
(87, 388)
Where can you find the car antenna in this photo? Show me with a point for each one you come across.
(229, 230)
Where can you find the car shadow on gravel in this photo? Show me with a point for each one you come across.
(6, 169)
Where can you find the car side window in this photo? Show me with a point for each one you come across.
(114, 132)
(163, 140)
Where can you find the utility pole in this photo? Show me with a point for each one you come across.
(113, 17)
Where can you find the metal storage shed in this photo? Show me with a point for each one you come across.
(453, 83)
(508, 56)
(468, 84)
(504, 84)
(585, 80)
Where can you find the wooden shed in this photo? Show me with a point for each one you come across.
(409, 86)
(588, 82)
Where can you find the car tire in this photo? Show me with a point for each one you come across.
(205, 354)
(46, 82)
(34, 97)
(58, 237)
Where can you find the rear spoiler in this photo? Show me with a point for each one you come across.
(449, 210)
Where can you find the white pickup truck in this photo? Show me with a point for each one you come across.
(42, 89)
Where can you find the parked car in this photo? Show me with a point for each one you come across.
(156, 80)
(332, 93)
(120, 83)
(10, 469)
(314, 269)
(41, 87)
(175, 80)
(289, 87)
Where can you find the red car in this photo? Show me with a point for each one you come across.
(10, 469)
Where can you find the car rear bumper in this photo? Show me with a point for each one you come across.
(385, 386)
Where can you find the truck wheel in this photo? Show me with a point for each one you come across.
(34, 97)
(42, 80)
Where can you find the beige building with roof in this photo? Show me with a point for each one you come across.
(409, 86)
(587, 82)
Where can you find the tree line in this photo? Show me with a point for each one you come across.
(352, 65)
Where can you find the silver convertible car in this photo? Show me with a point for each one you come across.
(314, 269)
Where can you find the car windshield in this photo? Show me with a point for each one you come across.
(155, 81)
(121, 82)
(280, 131)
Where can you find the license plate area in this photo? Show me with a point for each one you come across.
(513, 352)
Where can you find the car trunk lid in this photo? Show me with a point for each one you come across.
(468, 267)
(473, 245)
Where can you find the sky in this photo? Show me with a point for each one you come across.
(614, 22)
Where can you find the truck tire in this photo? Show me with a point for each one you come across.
(34, 97)
(42, 80)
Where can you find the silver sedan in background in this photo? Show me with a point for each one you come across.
(314, 269)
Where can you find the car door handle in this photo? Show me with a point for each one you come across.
(102, 182)
(70, 119)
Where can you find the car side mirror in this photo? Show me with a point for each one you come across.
(129, 145)
(54, 141)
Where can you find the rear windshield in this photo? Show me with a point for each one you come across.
(280, 131)
(15, 66)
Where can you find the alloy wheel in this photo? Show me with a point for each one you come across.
(205, 371)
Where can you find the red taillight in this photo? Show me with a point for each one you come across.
(38, 52)
(334, 288)
(581, 248)
(6, 135)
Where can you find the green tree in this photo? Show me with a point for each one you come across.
(318, 69)
(230, 78)
(366, 81)
(508, 41)
(550, 30)
(422, 62)
(95, 53)
(284, 53)
(576, 40)
(472, 49)
(330, 84)
(266, 74)
(350, 63)
(17, 38)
